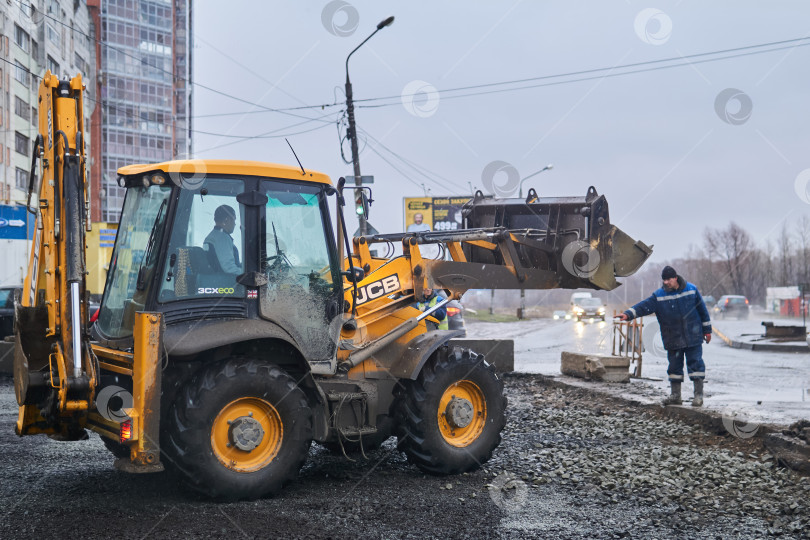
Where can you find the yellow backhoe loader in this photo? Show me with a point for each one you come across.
(236, 326)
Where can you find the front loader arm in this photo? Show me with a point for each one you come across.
(539, 243)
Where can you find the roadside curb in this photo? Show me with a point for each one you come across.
(768, 347)
(789, 451)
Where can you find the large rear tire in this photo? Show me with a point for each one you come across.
(450, 419)
(240, 430)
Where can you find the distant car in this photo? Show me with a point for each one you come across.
(7, 310)
(589, 308)
(731, 306)
(559, 314)
(455, 316)
(709, 301)
(577, 296)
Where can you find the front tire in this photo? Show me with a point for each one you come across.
(240, 430)
(450, 419)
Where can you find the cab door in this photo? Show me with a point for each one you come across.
(299, 259)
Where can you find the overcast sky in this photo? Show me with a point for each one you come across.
(674, 150)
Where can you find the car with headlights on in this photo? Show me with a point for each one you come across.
(589, 308)
(731, 306)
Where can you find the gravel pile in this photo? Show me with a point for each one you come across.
(571, 466)
(688, 480)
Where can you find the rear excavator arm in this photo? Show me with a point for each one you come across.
(56, 373)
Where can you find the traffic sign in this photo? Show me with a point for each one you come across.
(365, 179)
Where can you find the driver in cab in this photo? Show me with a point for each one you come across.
(222, 253)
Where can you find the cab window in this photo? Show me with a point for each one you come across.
(206, 250)
(295, 249)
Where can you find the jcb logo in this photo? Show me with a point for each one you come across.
(376, 289)
(215, 290)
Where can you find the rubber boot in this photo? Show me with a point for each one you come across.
(697, 401)
(674, 397)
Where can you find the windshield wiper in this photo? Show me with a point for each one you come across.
(280, 256)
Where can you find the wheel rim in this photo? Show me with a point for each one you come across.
(462, 413)
(246, 434)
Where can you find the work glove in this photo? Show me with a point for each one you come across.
(707, 338)
(623, 317)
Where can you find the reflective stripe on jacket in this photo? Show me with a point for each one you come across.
(681, 313)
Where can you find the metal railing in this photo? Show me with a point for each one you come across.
(627, 342)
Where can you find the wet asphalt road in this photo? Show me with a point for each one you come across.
(766, 387)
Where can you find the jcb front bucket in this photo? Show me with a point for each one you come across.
(569, 238)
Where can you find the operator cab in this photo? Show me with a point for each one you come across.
(240, 241)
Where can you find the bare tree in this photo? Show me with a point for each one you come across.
(733, 247)
(784, 246)
(767, 262)
(700, 270)
(803, 237)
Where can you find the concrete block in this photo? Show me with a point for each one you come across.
(498, 352)
(597, 367)
(790, 451)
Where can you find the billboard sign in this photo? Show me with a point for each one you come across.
(433, 213)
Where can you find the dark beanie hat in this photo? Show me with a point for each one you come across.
(668, 273)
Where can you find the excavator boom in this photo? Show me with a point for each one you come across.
(51, 315)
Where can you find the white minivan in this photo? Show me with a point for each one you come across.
(579, 296)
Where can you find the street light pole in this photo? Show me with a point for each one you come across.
(546, 168)
(522, 311)
(352, 135)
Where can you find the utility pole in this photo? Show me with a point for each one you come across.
(352, 135)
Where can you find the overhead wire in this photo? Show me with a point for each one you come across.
(363, 102)
(405, 176)
(249, 70)
(418, 168)
(795, 42)
(581, 79)
(125, 112)
(266, 135)
(261, 136)
(285, 110)
(613, 71)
